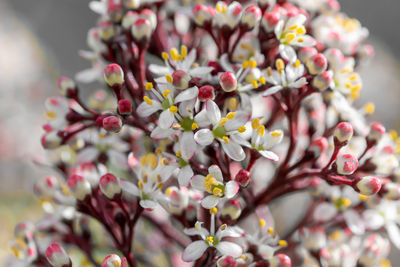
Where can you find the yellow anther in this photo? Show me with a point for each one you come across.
(261, 130)
(221, 8)
(147, 100)
(245, 64)
(168, 191)
(166, 93)
(353, 77)
(276, 133)
(254, 83)
(282, 243)
(293, 27)
(246, 46)
(168, 78)
(252, 63)
(336, 235)
(226, 139)
(280, 65)
(184, 51)
(197, 226)
(145, 179)
(149, 86)
(301, 30)
(271, 230)
(178, 154)
(363, 197)
(348, 85)
(243, 257)
(222, 122)
(393, 134)
(213, 210)
(160, 185)
(51, 115)
(296, 64)
(230, 115)
(231, 103)
(369, 108)
(223, 227)
(195, 126)
(208, 177)
(174, 54)
(255, 123)
(173, 109)
(356, 88)
(241, 129)
(269, 71)
(164, 161)
(140, 185)
(300, 39)
(290, 37)
(217, 192)
(261, 222)
(210, 239)
(164, 55)
(262, 80)
(354, 95)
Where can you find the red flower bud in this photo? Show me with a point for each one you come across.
(110, 185)
(125, 106)
(206, 92)
(180, 79)
(228, 81)
(112, 124)
(114, 75)
(346, 164)
(57, 256)
(243, 177)
(317, 64)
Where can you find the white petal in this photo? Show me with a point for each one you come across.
(393, 233)
(145, 110)
(98, 7)
(188, 145)
(233, 150)
(88, 154)
(88, 75)
(148, 204)
(130, 188)
(299, 83)
(200, 71)
(272, 90)
(215, 172)
(159, 70)
(159, 133)
(187, 94)
(373, 219)
(269, 155)
(231, 188)
(197, 182)
(288, 53)
(324, 212)
(204, 137)
(184, 175)
(201, 118)
(354, 222)
(210, 201)
(194, 251)
(166, 119)
(167, 172)
(213, 112)
(229, 249)
(188, 61)
(240, 119)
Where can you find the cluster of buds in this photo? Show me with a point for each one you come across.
(210, 113)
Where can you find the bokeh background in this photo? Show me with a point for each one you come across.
(39, 41)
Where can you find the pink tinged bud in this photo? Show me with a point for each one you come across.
(180, 79)
(206, 92)
(150, 16)
(142, 30)
(46, 186)
(114, 11)
(24, 229)
(129, 19)
(376, 131)
(306, 53)
(228, 81)
(112, 124)
(51, 140)
(110, 185)
(114, 75)
(203, 14)
(133, 161)
(66, 85)
(79, 186)
(323, 80)
(343, 132)
(131, 4)
(232, 209)
(269, 21)
(111, 260)
(125, 106)
(57, 256)
(243, 177)
(106, 30)
(251, 16)
(368, 185)
(391, 191)
(317, 64)
(227, 261)
(318, 146)
(346, 164)
(280, 260)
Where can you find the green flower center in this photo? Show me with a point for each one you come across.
(186, 124)
(219, 132)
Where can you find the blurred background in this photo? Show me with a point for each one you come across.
(39, 41)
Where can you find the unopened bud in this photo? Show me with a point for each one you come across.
(111, 260)
(368, 185)
(131, 4)
(269, 21)
(203, 14)
(232, 209)
(110, 185)
(142, 30)
(280, 260)
(114, 11)
(24, 230)
(112, 124)
(346, 164)
(228, 81)
(376, 132)
(129, 19)
(180, 79)
(251, 16)
(318, 146)
(125, 106)
(323, 80)
(150, 16)
(243, 177)
(227, 261)
(391, 191)
(317, 64)
(51, 140)
(46, 186)
(343, 132)
(206, 92)
(79, 186)
(114, 75)
(57, 256)
(306, 53)
(106, 30)
(67, 86)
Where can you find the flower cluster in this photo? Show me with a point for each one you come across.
(211, 114)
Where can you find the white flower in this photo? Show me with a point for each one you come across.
(226, 130)
(56, 110)
(214, 184)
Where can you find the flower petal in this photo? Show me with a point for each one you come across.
(188, 145)
(210, 201)
(269, 155)
(187, 94)
(204, 137)
(194, 251)
(213, 112)
(393, 233)
(231, 188)
(166, 119)
(130, 188)
(272, 90)
(233, 150)
(184, 175)
(197, 182)
(229, 249)
(215, 172)
(145, 110)
(148, 204)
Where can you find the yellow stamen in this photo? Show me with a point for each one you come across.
(147, 100)
(393, 134)
(232, 103)
(160, 185)
(168, 78)
(173, 109)
(261, 130)
(269, 71)
(255, 84)
(178, 154)
(293, 27)
(300, 40)
(166, 93)
(280, 65)
(210, 239)
(252, 63)
(217, 192)
(276, 133)
(369, 108)
(230, 115)
(51, 115)
(255, 123)
(282, 243)
(168, 191)
(226, 139)
(149, 86)
(241, 129)
(262, 223)
(296, 64)
(164, 55)
(195, 126)
(174, 54)
(245, 64)
(222, 122)
(301, 30)
(140, 185)
(223, 227)
(184, 51)
(290, 37)
(271, 230)
(262, 80)
(213, 210)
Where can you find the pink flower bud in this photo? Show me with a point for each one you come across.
(125, 106)
(376, 132)
(114, 11)
(112, 124)
(203, 14)
(111, 260)
(106, 30)
(323, 80)
(129, 19)
(110, 185)
(66, 85)
(280, 260)
(317, 64)
(180, 79)
(51, 140)
(391, 191)
(79, 186)
(150, 16)
(368, 185)
(318, 146)
(142, 30)
(133, 161)
(243, 177)
(206, 92)
(46, 186)
(131, 4)
(232, 209)
(227, 261)
(269, 21)
(57, 256)
(346, 164)
(114, 75)
(251, 16)
(306, 53)
(24, 229)
(228, 81)
(343, 132)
